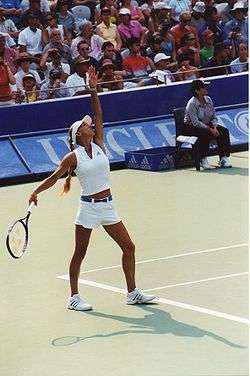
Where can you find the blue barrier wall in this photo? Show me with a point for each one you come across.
(40, 153)
(119, 106)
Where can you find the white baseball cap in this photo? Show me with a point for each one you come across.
(199, 7)
(161, 56)
(124, 11)
(75, 126)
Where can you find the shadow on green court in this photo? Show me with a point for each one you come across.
(155, 321)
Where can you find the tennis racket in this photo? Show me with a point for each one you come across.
(18, 235)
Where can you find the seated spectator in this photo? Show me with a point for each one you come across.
(30, 92)
(188, 48)
(54, 88)
(35, 8)
(111, 5)
(184, 27)
(23, 61)
(135, 12)
(186, 71)
(129, 28)
(51, 59)
(57, 43)
(207, 51)
(6, 79)
(7, 25)
(241, 63)
(95, 41)
(178, 7)
(197, 16)
(44, 7)
(135, 64)
(78, 82)
(11, 10)
(9, 41)
(30, 38)
(8, 55)
(64, 16)
(168, 42)
(107, 30)
(84, 50)
(239, 23)
(154, 46)
(51, 21)
(109, 80)
(162, 75)
(219, 62)
(160, 14)
(214, 24)
(109, 52)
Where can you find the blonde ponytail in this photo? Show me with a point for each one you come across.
(67, 182)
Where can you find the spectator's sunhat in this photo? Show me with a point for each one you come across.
(55, 74)
(107, 62)
(199, 84)
(28, 76)
(239, 5)
(24, 56)
(81, 60)
(161, 5)
(161, 56)
(199, 7)
(207, 34)
(124, 12)
(75, 126)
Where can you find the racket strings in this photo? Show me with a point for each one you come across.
(17, 238)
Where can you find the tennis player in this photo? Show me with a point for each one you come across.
(89, 161)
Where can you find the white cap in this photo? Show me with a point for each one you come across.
(161, 5)
(124, 11)
(161, 56)
(238, 5)
(199, 7)
(75, 126)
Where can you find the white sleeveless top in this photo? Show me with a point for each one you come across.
(93, 173)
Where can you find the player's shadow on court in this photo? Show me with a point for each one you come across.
(228, 171)
(155, 321)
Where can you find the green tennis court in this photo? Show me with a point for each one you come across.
(191, 232)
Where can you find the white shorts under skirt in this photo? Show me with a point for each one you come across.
(94, 214)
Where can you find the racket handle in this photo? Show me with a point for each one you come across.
(30, 207)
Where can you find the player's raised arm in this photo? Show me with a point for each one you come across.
(96, 108)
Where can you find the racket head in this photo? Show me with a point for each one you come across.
(17, 239)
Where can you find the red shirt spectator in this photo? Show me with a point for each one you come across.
(9, 55)
(183, 28)
(6, 78)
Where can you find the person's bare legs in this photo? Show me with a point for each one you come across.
(82, 236)
(119, 233)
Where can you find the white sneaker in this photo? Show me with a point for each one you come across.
(225, 162)
(136, 296)
(78, 304)
(204, 164)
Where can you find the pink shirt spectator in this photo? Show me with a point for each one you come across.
(10, 56)
(133, 30)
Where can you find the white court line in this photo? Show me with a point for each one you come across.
(166, 301)
(198, 281)
(190, 253)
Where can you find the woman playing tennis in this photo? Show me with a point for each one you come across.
(91, 165)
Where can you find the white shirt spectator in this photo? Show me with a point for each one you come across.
(76, 83)
(237, 66)
(49, 66)
(44, 7)
(96, 43)
(32, 40)
(19, 77)
(8, 26)
(163, 76)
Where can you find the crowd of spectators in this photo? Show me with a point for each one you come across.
(47, 46)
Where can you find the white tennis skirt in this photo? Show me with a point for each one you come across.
(94, 214)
